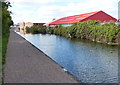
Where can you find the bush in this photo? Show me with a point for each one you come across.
(91, 30)
(6, 22)
(28, 30)
(36, 29)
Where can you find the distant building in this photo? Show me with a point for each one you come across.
(98, 15)
(118, 22)
(38, 24)
(23, 25)
(28, 24)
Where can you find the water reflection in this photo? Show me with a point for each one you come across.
(88, 61)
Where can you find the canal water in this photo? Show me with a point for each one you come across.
(90, 62)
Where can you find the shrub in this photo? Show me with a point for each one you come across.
(91, 29)
(36, 29)
(28, 30)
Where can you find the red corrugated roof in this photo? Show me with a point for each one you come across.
(73, 19)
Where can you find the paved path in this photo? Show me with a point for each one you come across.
(26, 64)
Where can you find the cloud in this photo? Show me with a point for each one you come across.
(55, 11)
(46, 10)
(29, 3)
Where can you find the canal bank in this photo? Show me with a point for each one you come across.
(26, 64)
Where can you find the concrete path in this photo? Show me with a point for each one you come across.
(27, 64)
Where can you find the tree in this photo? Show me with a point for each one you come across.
(6, 17)
(6, 22)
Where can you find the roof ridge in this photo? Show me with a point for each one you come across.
(81, 14)
(76, 18)
(76, 15)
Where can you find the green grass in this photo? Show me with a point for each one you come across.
(4, 46)
(0, 59)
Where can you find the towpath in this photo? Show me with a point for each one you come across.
(27, 64)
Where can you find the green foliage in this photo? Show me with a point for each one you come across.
(36, 29)
(28, 30)
(4, 46)
(6, 22)
(6, 18)
(49, 30)
(91, 30)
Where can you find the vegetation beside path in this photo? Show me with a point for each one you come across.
(6, 22)
(91, 30)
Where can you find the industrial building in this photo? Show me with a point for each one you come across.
(97, 15)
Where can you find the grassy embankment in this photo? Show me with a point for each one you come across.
(91, 30)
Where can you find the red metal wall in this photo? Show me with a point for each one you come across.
(101, 16)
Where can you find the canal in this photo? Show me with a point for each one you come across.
(90, 62)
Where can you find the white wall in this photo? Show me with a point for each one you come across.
(66, 25)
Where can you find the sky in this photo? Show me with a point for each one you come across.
(43, 11)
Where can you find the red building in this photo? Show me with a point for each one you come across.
(98, 15)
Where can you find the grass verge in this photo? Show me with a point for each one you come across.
(4, 46)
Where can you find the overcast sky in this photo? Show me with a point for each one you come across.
(45, 10)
